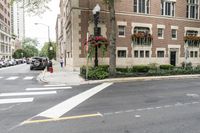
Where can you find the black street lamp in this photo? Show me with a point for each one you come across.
(96, 12)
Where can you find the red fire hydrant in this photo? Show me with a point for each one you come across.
(51, 69)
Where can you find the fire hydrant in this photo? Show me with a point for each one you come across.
(50, 67)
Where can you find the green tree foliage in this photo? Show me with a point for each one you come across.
(35, 7)
(47, 52)
(29, 45)
(20, 53)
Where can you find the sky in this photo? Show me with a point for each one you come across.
(39, 31)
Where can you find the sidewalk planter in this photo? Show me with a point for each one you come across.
(102, 72)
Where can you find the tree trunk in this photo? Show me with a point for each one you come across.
(112, 68)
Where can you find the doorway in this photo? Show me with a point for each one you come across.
(173, 58)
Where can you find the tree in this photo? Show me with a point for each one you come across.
(29, 45)
(35, 7)
(20, 53)
(112, 38)
(47, 52)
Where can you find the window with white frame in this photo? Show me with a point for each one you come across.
(193, 54)
(167, 7)
(141, 6)
(191, 33)
(136, 54)
(192, 9)
(121, 53)
(174, 33)
(141, 54)
(121, 30)
(196, 54)
(160, 54)
(147, 54)
(160, 32)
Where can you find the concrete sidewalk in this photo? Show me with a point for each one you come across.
(69, 77)
(61, 75)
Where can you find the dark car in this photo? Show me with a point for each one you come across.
(38, 63)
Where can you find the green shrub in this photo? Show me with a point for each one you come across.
(104, 67)
(83, 71)
(166, 67)
(187, 65)
(153, 66)
(141, 68)
(97, 73)
(124, 70)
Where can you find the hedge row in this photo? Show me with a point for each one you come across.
(102, 72)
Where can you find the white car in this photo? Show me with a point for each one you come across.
(3, 63)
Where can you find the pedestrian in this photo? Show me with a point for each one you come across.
(61, 62)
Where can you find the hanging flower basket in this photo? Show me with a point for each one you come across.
(192, 40)
(142, 38)
(93, 41)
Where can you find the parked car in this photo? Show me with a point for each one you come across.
(3, 63)
(38, 63)
(19, 61)
(14, 61)
(28, 61)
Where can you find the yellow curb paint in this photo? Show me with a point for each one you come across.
(60, 119)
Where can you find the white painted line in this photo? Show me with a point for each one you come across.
(62, 108)
(158, 107)
(27, 93)
(137, 116)
(1, 77)
(50, 88)
(56, 85)
(28, 78)
(16, 100)
(12, 78)
(192, 95)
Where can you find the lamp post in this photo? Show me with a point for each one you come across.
(50, 47)
(96, 12)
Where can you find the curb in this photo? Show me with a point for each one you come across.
(118, 80)
(41, 78)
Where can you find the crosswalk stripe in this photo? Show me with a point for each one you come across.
(12, 78)
(28, 78)
(60, 109)
(16, 100)
(27, 93)
(56, 85)
(50, 88)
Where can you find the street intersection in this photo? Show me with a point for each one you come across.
(163, 106)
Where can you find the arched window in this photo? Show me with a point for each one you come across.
(141, 6)
(192, 9)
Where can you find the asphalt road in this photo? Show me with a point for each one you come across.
(166, 106)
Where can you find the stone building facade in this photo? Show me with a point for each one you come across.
(5, 30)
(148, 31)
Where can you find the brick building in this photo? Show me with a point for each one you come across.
(5, 30)
(148, 31)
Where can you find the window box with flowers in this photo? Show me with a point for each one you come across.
(94, 41)
(142, 38)
(192, 40)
